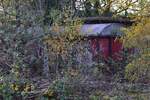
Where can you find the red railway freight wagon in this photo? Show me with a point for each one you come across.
(103, 39)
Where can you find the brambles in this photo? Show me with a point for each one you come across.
(11, 91)
(138, 70)
(137, 38)
(43, 55)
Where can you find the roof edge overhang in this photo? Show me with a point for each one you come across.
(102, 36)
(96, 20)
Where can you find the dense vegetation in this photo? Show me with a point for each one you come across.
(38, 58)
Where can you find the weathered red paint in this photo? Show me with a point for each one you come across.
(93, 46)
(102, 45)
(117, 47)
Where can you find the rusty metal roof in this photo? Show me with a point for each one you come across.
(107, 29)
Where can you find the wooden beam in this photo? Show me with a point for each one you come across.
(94, 20)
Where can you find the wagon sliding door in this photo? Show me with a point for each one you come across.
(100, 46)
(117, 49)
(107, 47)
(104, 47)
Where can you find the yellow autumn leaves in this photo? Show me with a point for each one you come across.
(25, 88)
(138, 70)
(138, 36)
(49, 93)
(63, 36)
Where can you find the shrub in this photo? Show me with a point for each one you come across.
(138, 70)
